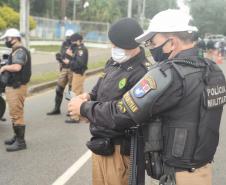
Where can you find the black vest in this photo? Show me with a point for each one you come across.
(191, 128)
(23, 76)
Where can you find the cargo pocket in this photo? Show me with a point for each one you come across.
(179, 142)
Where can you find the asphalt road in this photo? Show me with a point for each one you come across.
(55, 148)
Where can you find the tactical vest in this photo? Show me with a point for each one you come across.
(191, 128)
(23, 76)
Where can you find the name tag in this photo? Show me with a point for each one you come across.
(214, 96)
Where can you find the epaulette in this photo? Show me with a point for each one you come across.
(147, 64)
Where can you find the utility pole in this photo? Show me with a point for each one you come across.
(24, 21)
(74, 10)
(129, 10)
(143, 13)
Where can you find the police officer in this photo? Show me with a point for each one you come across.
(185, 91)
(65, 76)
(125, 67)
(78, 56)
(19, 68)
(211, 50)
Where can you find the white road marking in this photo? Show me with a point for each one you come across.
(73, 169)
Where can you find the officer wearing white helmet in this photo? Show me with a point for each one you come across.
(19, 73)
(186, 92)
(65, 76)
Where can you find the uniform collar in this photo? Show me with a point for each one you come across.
(188, 53)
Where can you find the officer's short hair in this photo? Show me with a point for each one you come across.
(184, 36)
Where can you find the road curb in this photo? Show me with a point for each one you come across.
(46, 85)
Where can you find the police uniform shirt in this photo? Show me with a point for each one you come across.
(117, 78)
(19, 56)
(109, 114)
(114, 82)
(80, 60)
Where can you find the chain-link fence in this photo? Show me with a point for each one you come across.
(52, 29)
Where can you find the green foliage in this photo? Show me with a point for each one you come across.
(32, 23)
(155, 6)
(15, 4)
(11, 19)
(2, 24)
(101, 10)
(209, 16)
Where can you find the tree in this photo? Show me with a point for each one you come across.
(209, 16)
(101, 11)
(2, 24)
(15, 4)
(155, 6)
(10, 18)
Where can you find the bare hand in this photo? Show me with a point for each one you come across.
(74, 106)
(69, 52)
(2, 69)
(84, 96)
(66, 61)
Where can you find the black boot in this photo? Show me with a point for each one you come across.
(58, 100)
(11, 140)
(55, 111)
(20, 143)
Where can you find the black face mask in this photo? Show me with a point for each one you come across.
(157, 53)
(8, 44)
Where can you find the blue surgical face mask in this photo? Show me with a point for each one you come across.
(119, 55)
(157, 53)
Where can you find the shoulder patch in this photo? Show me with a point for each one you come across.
(130, 102)
(80, 52)
(144, 86)
(121, 107)
(122, 83)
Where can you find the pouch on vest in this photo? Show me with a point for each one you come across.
(153, 136)
(153, 144)
(101, 146)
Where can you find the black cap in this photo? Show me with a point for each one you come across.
(76, 37)
(123, 33)
(211, 45)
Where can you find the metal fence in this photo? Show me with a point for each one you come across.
(52, 29)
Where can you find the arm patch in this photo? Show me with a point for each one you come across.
(141, 98)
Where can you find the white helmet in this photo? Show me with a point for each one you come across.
(12, 32)
(69, 33)
(171, 20)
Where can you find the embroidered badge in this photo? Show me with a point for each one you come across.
(80, 52)
(130, 102)
(121, 107)
(214, 96)
(144, 86)
(122, 83)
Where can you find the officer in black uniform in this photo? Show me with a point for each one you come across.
(186, 92)
(125, 67)
(65, 76)
(78, 56)
(18, 69)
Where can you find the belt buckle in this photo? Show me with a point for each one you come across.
(192, 170)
